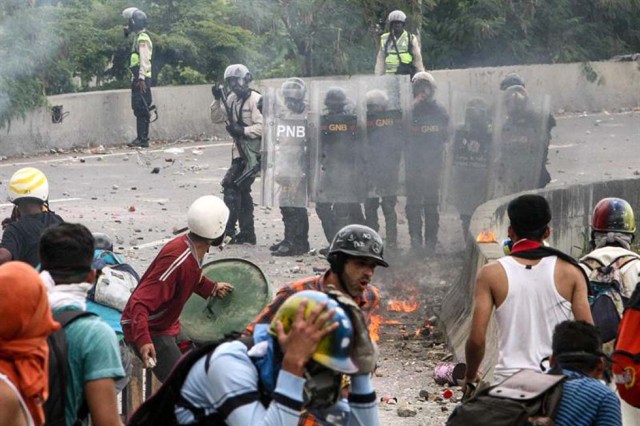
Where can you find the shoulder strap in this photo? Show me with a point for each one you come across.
(68, 316)
(591, 263)
(622, 261)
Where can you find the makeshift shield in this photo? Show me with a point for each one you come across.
(285, 154)
(521, 141)
(209, 320)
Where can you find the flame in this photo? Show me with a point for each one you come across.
(402, 305)
(374, 327)
(486, 236)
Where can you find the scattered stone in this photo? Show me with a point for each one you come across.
(125, 158)
(132, 209)
(114, 187)
(99, 159)
(425, 392)
(155, 170)
(295, 270)
(82, 160)
(389, 400)
(134, 188)
(94, 198)
(407, 412)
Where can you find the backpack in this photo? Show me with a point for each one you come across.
(511, 403)
(605, 293)
(159, 409)
(54, 407)
(626, 356)
(116, 281)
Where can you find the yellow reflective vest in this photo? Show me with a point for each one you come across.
(134, 59)
(392, 58)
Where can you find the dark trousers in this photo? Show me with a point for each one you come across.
(140, 103)
(238, 199)
(416, 208)
(388, 204)
(335, 216)
(296, 225)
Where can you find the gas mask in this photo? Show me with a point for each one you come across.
(322, 387)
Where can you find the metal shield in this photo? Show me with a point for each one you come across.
(208, 320)
(521, 141)
(285, 155)
(337, 121)
(469, 159)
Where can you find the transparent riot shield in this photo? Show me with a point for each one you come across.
(336, 120)
(285, 154)
(426, 139)
(388, 101)
(469, 152)
(521, 142)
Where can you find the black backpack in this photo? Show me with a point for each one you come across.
(54, 408)
(159, 409)
(511, 403)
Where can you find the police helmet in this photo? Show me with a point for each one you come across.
(239, 71)
(335, 97)
(137, 19)
(511, 79)
(377, 100)
(397, 16)
(294, 88)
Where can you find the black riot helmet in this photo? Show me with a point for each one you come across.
(137, 19)
(511, 79)
(335, 100)
(355, 241)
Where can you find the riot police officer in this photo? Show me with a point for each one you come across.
(140, 67)
(292, 171)
(244, 123)
(424, 156)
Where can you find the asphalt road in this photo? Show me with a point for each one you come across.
(114, 191)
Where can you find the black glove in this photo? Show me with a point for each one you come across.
(217, 91)
(236, 130)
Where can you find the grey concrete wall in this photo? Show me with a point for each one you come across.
(571, 209)
(105, 118)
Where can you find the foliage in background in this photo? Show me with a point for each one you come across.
(59, 46)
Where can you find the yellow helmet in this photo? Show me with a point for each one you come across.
(28, 182)
(334, 349)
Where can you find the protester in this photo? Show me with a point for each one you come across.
(354, 253)
(93, 355)
(532, 290)
(295, 363)
(25, 323)
(29, 192)
(151, 317)
(585, 399)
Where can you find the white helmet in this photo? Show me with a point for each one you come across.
(397, 16)
(424, 76)
(28, 182)
(207, 217)
(239, 71)
(377, 98)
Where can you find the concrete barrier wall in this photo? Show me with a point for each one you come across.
(105, 118)
(571, 209)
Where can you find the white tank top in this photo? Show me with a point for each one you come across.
(528, 315)
(25, 410)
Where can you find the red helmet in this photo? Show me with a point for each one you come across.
(613, 215)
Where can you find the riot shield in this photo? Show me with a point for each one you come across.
(208, 320)
(336, 122)
(285, 154)
(424, 151)
(388, 101)
(521, 141)
(470, 148)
